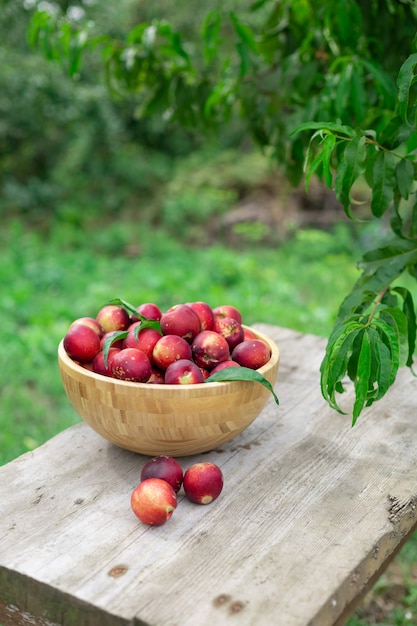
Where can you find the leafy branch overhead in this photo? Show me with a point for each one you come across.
(375, 330)
(282, 67)
(269, 63)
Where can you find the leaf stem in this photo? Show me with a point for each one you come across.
(373, 142)
(377, 302)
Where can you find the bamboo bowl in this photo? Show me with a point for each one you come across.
(154, 419)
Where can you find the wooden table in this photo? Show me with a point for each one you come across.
(311, 512)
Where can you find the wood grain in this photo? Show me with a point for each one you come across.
(311, 510)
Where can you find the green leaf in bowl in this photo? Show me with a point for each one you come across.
(241, 373)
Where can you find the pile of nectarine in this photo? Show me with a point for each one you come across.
(154, 500)
(186, 344)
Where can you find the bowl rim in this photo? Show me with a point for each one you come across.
(79, 369)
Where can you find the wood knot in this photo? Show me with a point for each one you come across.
(234, 606)
(222, 599)
(237, 606)
(117, 571)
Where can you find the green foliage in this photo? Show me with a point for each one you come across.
(375, 331)
(336, 59)
(66, 147)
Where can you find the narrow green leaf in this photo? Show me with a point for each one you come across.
(397, 319)
(381, 367)
(211, 35)
(243, 374)
(380, 267)
(38, 23)
(74, 61)
(396, 221)
(77, 44)
(383, 81)
(244, 32)
(132, 310)
(245, 59)
(328, 147)
(221, 96)
(176, 42)
(110, 340)
(413, 221)
(375, 366)
(343, 89)
(410, 313)
(47, 41)
(411, 142)
(348, 22)
(352, 165)
(385, 374)
(313, 167)
(65, 36)
(135, 35)
(404, 173)
(341, 350)
(352, 364)
(390, 338)
(362, 377)
(309, 150)
(383, 176)
(332, 127)
(370, 161)
(145, 323)
(334, 365)
(129, 308)
(258, 4)
(395, 257)
(358, 94)
(406, 78)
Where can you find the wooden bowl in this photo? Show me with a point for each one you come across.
(177, 420)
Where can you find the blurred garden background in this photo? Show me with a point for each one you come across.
(98, 201)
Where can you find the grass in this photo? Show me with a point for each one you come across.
(48, 280)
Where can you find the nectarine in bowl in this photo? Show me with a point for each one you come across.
(176, 420)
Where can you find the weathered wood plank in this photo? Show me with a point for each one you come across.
(311, 509)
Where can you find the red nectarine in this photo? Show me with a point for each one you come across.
(131, 364)
(203, 482)
(153, 501)
(164, 467)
